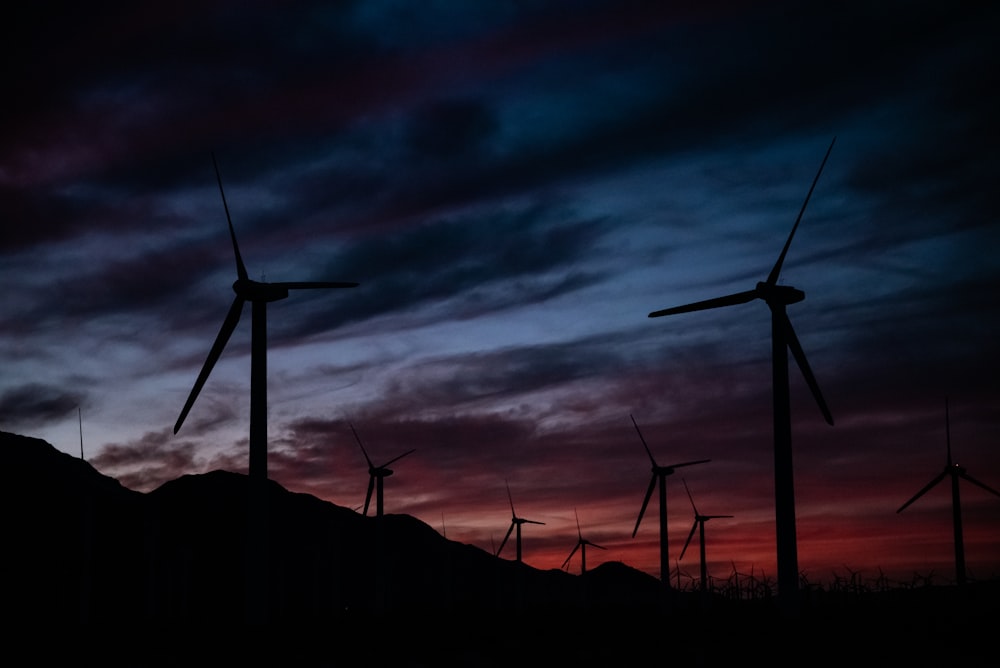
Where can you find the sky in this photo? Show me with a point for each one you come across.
(515, 186)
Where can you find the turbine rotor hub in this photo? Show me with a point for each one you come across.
(779, 294)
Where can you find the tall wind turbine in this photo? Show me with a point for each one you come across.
(783, 338)
(515, 522)
(955, 472)
(376, 476)
(699, 523)
(581, 544)
(259, 294)
(660, 474)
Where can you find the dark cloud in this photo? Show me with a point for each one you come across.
(33, 404)
(493, 261)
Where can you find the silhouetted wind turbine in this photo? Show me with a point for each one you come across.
(660, 474)
(956, 472)
(699, 523)
(376, 475)
(783, 338)
(581, 544)
(258, 294)
(515, 522)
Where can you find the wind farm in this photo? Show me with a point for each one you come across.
(512, 189)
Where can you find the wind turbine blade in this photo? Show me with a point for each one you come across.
(729, 300)
(695, 508)
(645, 502)
(309, 285)
(699, 461)
(966, 476)
(570, 555)
(688, 541)
(579, 534)
(511, 499)
(643, 440)
(800, 358)
(531, 522)
(927, 487)
(241, 270)
(368, 496)
(365, 452)
(504, 541)
(716, 517)
(408, 452)
(772, 278)
(599, 547)
(228, 325)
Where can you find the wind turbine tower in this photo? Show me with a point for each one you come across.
(376, 477)
(954, 471)
(581, 544)
(699, 524)
(515, 523)
(259, 294)
(659, 479)
(783, 338)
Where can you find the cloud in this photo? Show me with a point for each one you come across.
(33, 404)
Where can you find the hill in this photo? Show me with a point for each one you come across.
(81, 548)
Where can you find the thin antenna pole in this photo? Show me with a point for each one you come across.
(79, 415)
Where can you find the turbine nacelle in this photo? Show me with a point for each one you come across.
(779, 294)
(255, 291)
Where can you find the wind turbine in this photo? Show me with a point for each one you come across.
(955, 471)
(660, 474)
(783, 338)
(259, 294)
(376, 475)
(581, 544)
(515, 522)
(699, 523)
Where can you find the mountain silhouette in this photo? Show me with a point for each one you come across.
(81, 548)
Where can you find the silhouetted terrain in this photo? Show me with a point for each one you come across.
(79, 547)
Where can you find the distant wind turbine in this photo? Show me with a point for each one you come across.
(699, 523)
(955, 472)
(376, 476)
(258, 294)
(515, 523)
(581, 544)
(660, 474)
(783, 338)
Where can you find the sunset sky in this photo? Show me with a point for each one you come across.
(515, 186)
